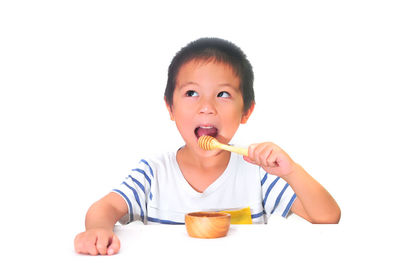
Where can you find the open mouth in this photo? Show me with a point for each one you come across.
(206, 130)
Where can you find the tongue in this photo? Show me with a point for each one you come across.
(206, 131)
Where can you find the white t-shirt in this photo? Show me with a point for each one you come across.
(157, 192)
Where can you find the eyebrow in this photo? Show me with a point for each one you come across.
(187, 83)
(228, 85)
(219, 85)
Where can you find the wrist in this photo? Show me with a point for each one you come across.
(297, 171)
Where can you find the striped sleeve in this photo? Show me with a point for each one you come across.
(277, 195)
(136, 191)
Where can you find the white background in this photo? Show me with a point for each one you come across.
(81, 101)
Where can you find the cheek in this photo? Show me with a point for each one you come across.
(182, 119)
(234, 118)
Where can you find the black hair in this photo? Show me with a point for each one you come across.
(221, 51)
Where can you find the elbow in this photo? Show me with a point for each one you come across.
(338, 215)
(329, 218)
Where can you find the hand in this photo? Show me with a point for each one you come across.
(271, 158)
(97, 241)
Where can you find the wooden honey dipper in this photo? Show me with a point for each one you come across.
(210, 143)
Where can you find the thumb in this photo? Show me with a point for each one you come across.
(113, 248)
(247, 159)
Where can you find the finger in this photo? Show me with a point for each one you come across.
(78, 244)
(114, 246)
(85, 244)
(90, 245)
(102, 243)
(255, 154)
(265, 153)
(272, 159)
(262, 153)
(251, 149)
(248, 159)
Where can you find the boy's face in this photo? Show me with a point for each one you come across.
(207, 101)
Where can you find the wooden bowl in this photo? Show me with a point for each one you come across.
(207, 224)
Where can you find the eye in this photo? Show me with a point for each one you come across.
(191, 93)
(224, 94)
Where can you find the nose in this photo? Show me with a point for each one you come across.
(207, 106)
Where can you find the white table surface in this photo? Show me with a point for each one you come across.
(280, 242)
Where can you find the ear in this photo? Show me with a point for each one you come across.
(169, 107)
(246, 115)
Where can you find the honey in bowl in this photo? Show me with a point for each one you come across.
(207, 224)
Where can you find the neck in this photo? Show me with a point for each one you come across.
(204, 161)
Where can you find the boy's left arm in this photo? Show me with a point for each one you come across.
(313, 203)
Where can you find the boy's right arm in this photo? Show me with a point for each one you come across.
(101, 217)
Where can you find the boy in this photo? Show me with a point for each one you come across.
(209, 92)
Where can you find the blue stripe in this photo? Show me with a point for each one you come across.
(156, 220)
(285, 212)
(146, 176)
(143, 173)
(146, 163)
(129, 203)
(265, 178)
(269, 190)
(279, 197)
(253, 216)
(137, 199)
(138, 183)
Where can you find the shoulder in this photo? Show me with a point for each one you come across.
(158, 162)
